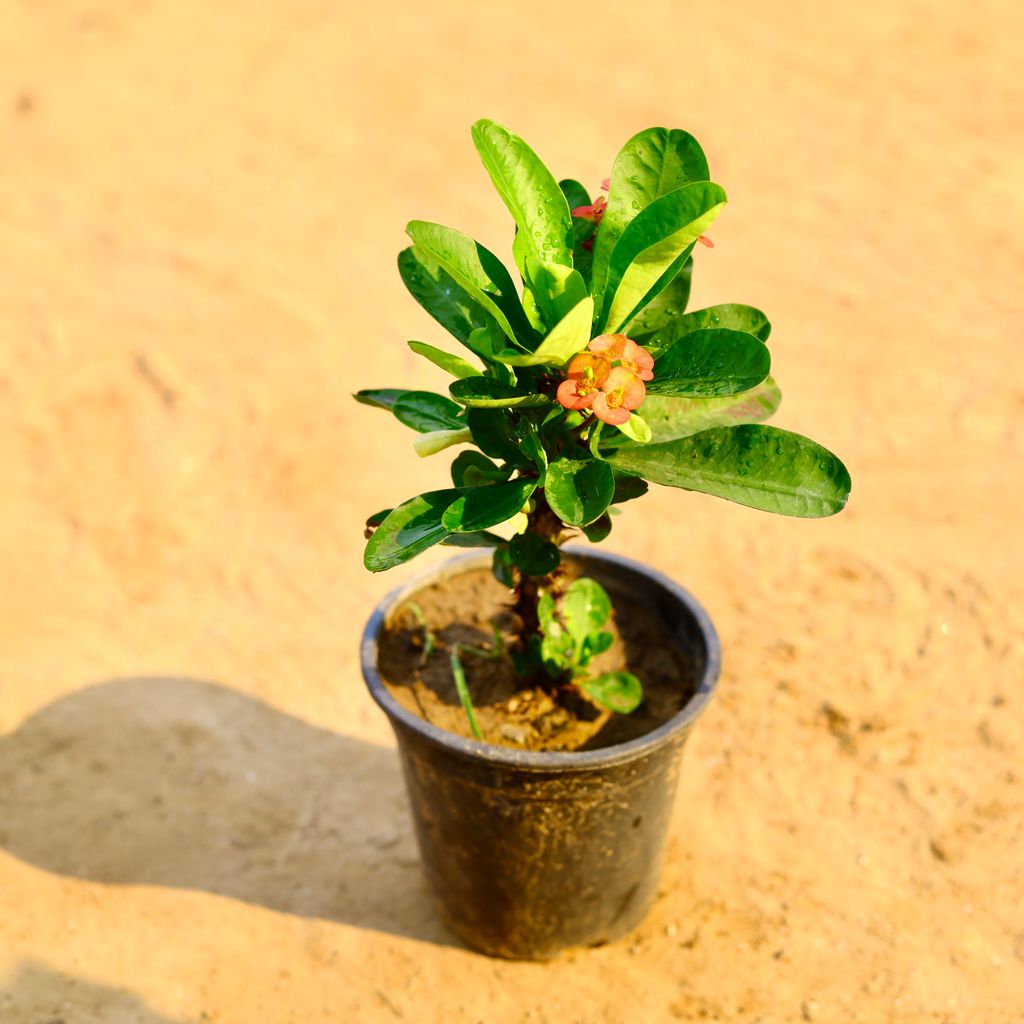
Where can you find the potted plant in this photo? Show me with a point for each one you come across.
(541, 696)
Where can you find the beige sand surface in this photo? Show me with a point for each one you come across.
(201, 816)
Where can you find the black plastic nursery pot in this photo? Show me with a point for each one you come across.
(530, 853)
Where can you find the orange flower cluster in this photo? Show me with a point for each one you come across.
(608, 379)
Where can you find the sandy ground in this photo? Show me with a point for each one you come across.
(201, 814)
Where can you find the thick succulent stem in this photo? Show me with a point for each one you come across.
(528, 589)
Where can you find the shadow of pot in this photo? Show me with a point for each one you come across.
(529, 853)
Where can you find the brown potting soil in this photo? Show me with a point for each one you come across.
(473, 609)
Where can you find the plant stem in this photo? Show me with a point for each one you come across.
(528, 589)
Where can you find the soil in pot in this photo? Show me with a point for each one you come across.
(466, 608)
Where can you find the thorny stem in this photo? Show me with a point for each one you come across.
(528, 589)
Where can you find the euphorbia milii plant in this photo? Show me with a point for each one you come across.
(583, 383)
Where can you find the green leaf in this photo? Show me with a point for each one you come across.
(488, 393)
(575, 195)
(628, 488)
(462, 689)
(651, 243)
(380, 398)
(569, 336)
(584, 609)
(670, 418)
(709, 362)
(485, 341)
(424, 411)
(532, 446)
(595, 645)
(621, 692)
(546, 614)
(652, 164)
(440, 295)
(556, 651)
(583, 230)
(478, 272)
(455, 365)
(434, 441)
(557, 289)
(663, 310)
(578, 490)
(599, 529)
(730, 315)
(478, 508)
(534, 555)
(492, 434)
(752, 464)
(636, 429)
(480, 539)
(473, 469)
(501, 567)
(408, 530)
(529, 191)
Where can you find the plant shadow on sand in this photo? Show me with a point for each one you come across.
(176, 782)
(39, 994)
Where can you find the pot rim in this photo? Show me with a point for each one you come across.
(534, 759)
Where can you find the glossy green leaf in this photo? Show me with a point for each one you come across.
(502, 568)
(478, 272)
(636, 429)
(621, 692)
(380, 398)
(670, 304)
(652, 164)
(474, 469)
(492, 434)
(752, 464)
(532, 446)
(408, 530)
(628, 488)
(599, 529)
(578, 490)
(488, 393)
(730, 315)
(557, 289)
(575, 193)
(533, 554)
(529, 191)
(478, 508)
(651, 243)
(670, 418)
(480, 539)
(440, 295)
(455, 365)
(584, 609)
(583, 230)
(569, 336)
(709, 362)
(575, 196)
(424, 410)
